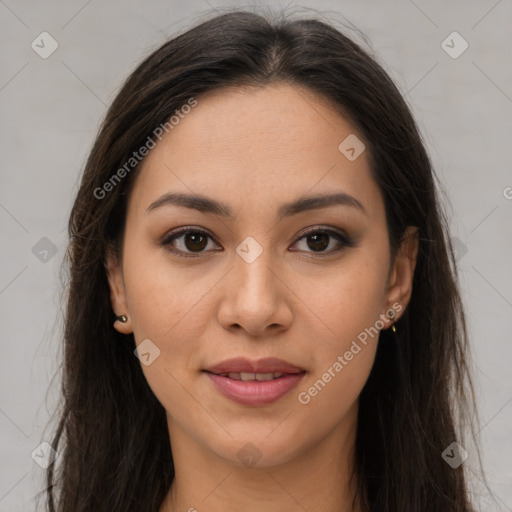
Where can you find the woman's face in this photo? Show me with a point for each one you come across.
(254, 283)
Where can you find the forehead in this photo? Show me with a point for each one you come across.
(257, 145)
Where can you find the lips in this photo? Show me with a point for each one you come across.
(255, 382)
(262, 366)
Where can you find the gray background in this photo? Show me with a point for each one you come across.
(50, 112)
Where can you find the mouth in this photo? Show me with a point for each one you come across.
(254, 382)
(247, 376)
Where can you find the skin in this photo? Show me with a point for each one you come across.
(255, 149)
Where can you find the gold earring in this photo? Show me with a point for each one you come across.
(391, 315)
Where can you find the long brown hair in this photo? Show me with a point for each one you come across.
(116, 453)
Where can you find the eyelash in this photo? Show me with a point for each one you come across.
(177, 233)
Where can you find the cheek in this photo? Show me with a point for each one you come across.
(350, 298)
(349, 305)
(165, 298)
(170, 307)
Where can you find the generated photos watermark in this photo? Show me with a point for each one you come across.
(137, 156)
(356, 346)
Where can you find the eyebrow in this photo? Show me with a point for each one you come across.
(208, 205)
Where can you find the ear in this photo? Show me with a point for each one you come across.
(117, 291)
(402, 274)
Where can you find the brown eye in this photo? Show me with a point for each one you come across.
(195, 241)
(318, 241)
(189, 242)
(323, 241)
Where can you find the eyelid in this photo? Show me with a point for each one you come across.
(187, 229)
(322, 229)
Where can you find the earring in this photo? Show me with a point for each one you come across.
(122, 318)
(391, 315)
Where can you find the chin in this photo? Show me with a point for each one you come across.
(260, 450)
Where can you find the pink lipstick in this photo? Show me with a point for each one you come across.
(255, 382)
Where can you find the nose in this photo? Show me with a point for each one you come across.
(256, 299)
